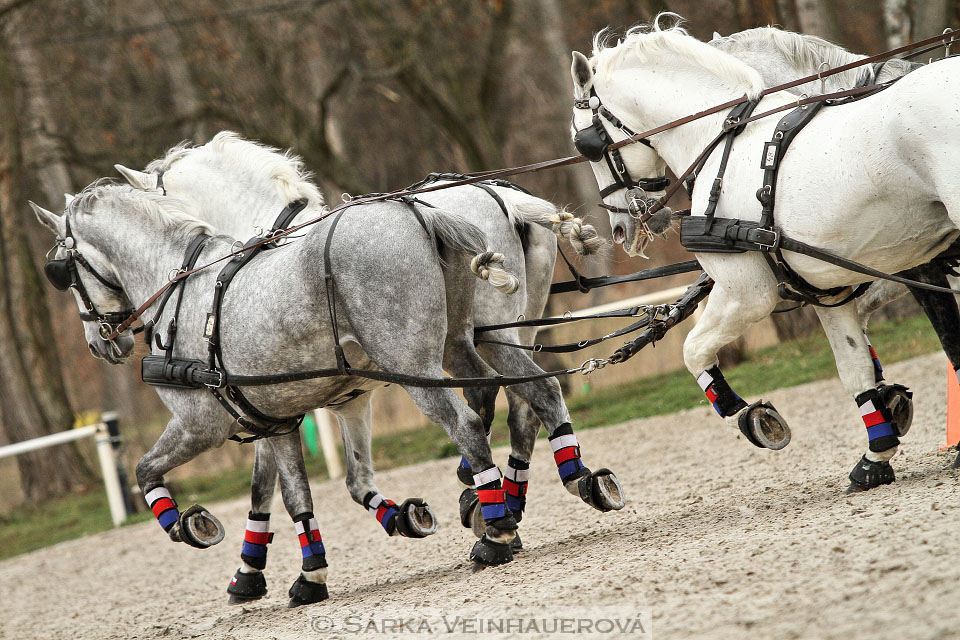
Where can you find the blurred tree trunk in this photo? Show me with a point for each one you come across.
(930, 17)
(896, 18)
(584, 183)
(819, 18)
(31, 387)
(42, 147)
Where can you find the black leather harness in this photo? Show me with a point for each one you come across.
(168, 371)
(709, 234)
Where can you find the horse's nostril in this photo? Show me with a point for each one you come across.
(619, 234)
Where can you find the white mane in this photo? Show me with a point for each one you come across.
(178, 216)
(286, 169)
(646, 43)
(804, 52)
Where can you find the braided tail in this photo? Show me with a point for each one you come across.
(489, 266)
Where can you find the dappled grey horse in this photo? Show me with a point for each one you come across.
(253, 183)
(117, 246)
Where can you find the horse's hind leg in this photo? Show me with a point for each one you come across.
(311, 585)
(249, 583)
(600, 489)
(413, 518)
(179, 443)
(465, 428)
(857, 375)
(727, 314)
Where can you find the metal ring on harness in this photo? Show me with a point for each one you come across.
(946, 47)
(823, 83)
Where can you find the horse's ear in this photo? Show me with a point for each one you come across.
(67, 199)
(138, 179)
(48, 219)
(582, 74)
(716, 35)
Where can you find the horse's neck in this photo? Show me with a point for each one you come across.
(234, 209)
(145, 259)
(776, 69)
(645, 100)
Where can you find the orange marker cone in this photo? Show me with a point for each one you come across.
(953, 409)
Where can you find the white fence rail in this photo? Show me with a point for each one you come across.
(105, 452)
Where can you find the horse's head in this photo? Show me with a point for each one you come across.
(630, 178)
(78, 263)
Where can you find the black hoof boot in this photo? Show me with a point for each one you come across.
(487, 553)
(868, 474)
(471, 517)
(899, 400)
(415, 519)
(198, 528)
(764, 427)
(305, 592)
(600, 489)
(246, 587)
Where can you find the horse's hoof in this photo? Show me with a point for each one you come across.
(868, 475)
(899, 400)
(516, 544)
(956, 463)
(415, 519)
(200, 529)
(601, 490)
(487, 553)
(471, 516)
(764, 427)
(247, 587)
(305, 592)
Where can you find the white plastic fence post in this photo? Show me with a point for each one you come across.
(108, 466)
(329, 442)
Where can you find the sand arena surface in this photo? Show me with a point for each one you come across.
(719, 539)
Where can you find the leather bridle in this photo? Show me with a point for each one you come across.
(595, 144)
(63, 274)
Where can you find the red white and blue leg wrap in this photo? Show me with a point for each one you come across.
(515, 479)
(566, 453)
(721, 396)
(311, 544)
(255, 540)
(490, 494)
(877, 368)
(877, 418)
(163, 506)
(383, 509)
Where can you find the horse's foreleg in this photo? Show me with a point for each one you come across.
(249, 583)
(413, 518)
(311, 585)
(725, 318)
(179, 443)
(857, 375)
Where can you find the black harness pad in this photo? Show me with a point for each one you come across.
(723, 235)
(180, 373)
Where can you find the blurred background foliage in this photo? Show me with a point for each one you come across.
(373, 94)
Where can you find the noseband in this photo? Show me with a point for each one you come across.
(63, 274)
(593, 143)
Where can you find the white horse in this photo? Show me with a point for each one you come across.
(897, 174)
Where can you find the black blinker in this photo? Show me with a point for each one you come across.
(590, 142)
(59, 273)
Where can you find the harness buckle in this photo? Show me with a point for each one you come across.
(219, 382)
(766, 239)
